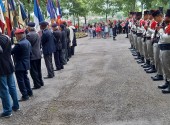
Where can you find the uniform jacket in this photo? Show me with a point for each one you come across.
(22, 53)
(34, 39)
(47, 41)
(57, 39)
(63, 39)
(6, 64)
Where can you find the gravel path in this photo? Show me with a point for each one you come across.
(101, 85)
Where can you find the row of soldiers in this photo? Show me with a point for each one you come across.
(150, 43)
(59, 41)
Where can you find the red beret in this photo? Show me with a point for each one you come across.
(19, 31)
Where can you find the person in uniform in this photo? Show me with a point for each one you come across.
(58, 45)
(164, 45)
(7, 82)
(158, 16)
(22, 53)
(48, 47)
(64, 44)
(35, 70)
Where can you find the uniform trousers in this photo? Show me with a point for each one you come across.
(58, 59)
(150, 51)
(157, 60)
(139, 45)
(49, 64)
(165, 60)
(35, 72)
(144, 47)
(23, 83)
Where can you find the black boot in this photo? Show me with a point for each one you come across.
(157, 78)
(141, 60)
(167, 90)
(165, 86)
(138, 56)
(147, 64)
(152, 70)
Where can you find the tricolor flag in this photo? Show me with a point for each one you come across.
(59, 14)
(22, 14)
(38, 16)
(7, 18)
(51, 12)
(2, 20)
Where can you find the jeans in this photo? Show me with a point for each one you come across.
(7, 88)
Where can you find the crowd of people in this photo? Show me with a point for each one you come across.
(23, 52)
(108, 29)
(150, 43)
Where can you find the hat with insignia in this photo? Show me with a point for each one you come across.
(146, 12)
(54, 25)
(151, 11)
(156, 13)
(167, 13)
(43, 23)
(31, 24)
(138, 14)
(19, 31)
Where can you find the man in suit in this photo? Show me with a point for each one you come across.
(64, 44)
(58, 45)
(35, 63)
(21, 52)
(48, 47)
(7, 82)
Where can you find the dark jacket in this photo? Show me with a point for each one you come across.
(6, 64)
(57, 39)
(47, 41)
(22, 53)
(74, 39)
(34, 39)
(63, 39)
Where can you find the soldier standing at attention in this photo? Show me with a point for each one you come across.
(21, 52)
(164, 45)
(48, 47)
(35, 63)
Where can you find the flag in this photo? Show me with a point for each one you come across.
(50, 9)
(22, 14)
(2, 20)
(7, 18)
(59, 14)
(38, 16)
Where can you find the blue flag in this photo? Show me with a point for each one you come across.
(38, 16)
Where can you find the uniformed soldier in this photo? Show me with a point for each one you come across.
(48, 47)
(158, 16)
(21, 52)
(58, 45)
(130, 32)
(164, 45)
(35, 70)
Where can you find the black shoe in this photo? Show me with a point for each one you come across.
(165, 86)
(48, 77)
(140, 61)
(34, 88)
(62, 67)
(157, 78)
(167, 90)
(23, 99)
(15, 110)
(3, 115)
(149, 68)
(57, 69)
(146, 66)
(151, 71)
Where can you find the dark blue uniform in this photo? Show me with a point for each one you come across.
(21, 52)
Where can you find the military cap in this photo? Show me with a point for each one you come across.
(19, 31)
(138, 13)
(161, 9)
(43, 23)
(31, 24)
(54, 25)
(62, 26)
(167, 13)
(131, 13)
(146, 12)
(156, 13)
(151, 11)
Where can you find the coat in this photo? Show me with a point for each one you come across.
(63, 39)
(34, 39)
(22, 54)
(47, 41)
(57, 39)
(6, 64)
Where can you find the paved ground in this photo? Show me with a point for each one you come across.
(101, 85)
